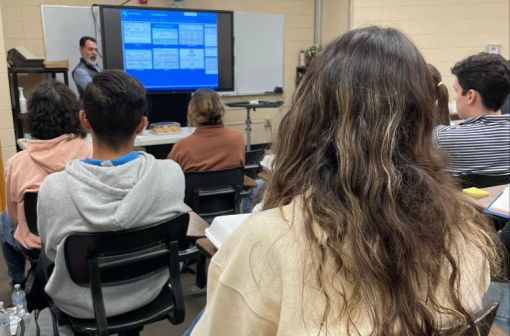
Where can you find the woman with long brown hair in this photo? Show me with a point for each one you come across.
(363, 233)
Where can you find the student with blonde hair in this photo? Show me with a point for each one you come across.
(363, 233)
(212, 146)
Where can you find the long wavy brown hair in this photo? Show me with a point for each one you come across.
(356, 147)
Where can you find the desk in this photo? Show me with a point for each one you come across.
(197, 226)
(205, 245)
(144, 139)
(484, 202)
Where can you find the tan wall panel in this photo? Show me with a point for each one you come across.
(446, 31)
(6, 129)
(335, 19)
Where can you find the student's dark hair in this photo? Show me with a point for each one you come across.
(114, 103)
(84, 40)
(385, 226)
(52, 111)
(489, 74)
(206, 108)
(442, 97)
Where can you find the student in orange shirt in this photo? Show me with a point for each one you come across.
(212, 146)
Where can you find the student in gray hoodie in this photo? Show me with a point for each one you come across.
(116, 189)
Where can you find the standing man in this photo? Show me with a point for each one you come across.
(88, 67)
(481, 143)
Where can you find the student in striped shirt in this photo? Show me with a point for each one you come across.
(481, 143)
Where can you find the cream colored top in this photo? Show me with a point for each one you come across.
(261, 282)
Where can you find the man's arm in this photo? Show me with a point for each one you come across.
(82, 77)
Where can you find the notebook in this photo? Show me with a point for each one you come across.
(501, 204)
(222, 227)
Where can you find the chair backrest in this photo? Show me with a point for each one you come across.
(214, 193)
(252, 162)
(114, 258)
(483, 320)
(123, 256)
(254, 156)
(30, 207)
(483, 181)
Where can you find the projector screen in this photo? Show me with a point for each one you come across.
(170, 50)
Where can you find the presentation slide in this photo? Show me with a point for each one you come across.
(170, 49)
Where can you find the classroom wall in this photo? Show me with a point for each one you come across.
(335, 19)
(446, 31)
(6, 129)
(22, 26)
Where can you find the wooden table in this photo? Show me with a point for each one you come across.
(197, 226)
(205, 245)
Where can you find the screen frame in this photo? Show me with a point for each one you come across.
(230, 24)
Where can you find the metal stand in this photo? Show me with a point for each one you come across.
(248, 106)
(248, 127)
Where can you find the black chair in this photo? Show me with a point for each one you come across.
(30, 207)
(35, 292)
(482, 181)
(110, 258)
(214, 193)
(252, 162)
(483, 320)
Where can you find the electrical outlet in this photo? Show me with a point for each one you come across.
(267, 122)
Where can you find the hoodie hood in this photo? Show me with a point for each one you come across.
(124, 195)
(53, 154)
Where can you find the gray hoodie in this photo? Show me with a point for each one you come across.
(89, 198)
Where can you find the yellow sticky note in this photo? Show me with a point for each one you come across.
(476, 192)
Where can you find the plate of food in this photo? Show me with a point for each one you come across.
(165, 128)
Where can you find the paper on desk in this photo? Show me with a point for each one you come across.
(222, 227)
(267, 161)
(501, 205)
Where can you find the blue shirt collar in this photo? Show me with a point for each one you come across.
(115, 162)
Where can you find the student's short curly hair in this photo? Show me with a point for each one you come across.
(489, 74)
(206, 108)
(52, 111)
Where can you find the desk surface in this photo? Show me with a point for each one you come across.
(197, 226)
(484, 202)
(145, 138)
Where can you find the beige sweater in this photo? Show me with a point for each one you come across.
(260, 282)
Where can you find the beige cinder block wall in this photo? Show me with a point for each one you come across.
(335, 19)
(21, 20)
(6, 125)
(446, 31)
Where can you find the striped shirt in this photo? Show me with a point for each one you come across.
(479, 145)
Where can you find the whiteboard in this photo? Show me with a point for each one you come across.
(258, 44)
(63, 26)
(258, 52)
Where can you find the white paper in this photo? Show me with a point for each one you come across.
(501, 206)
(222, 227)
